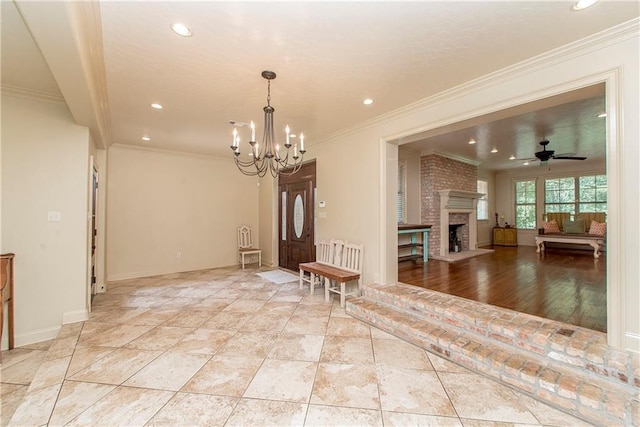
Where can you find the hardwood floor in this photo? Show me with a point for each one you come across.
(562, 284)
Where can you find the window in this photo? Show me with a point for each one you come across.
(525, 204)
(401, 201)
(483, 202)
(576, 194)
(592, 193)
(560, 195)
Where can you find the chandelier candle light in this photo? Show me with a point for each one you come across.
(267, 157)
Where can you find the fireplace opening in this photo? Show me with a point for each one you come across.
(455, 242)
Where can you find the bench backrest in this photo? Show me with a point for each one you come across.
(591, 216)
(323, 251)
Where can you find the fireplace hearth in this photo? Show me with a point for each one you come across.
(455, 242)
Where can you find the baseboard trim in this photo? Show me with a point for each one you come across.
(632, 342)
(75, 316)
(32, 337)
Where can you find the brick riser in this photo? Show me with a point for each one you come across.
(437, 327)
(566, 344)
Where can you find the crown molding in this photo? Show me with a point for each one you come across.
(31, 94)
(119, 146)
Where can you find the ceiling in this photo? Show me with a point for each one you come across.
(329, 56)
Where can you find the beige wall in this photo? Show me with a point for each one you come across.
(485, 228)
(268, 222)
(170, 212)
(45, 159)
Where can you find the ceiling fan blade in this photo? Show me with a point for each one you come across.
(569, 158)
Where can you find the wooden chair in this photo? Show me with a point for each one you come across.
(351, 261)
(245, 245)
(324, 253)
(6, 295)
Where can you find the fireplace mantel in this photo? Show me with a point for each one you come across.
(458, 201)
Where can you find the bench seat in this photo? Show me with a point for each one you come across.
(581, 239)
(331, 272)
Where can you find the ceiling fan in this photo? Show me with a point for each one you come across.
(545, 155)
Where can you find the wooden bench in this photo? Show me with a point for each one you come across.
(579, 239)
(331, 272)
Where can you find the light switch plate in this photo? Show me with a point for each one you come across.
(54, 216)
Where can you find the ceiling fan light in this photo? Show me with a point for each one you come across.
(180, 29)
(512, 157)
(495, 150)
(472, 141)
(583, 4)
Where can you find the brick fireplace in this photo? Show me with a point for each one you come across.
(437, 173)
(458, 205)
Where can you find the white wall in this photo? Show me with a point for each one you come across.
(44, 168)
(356, 172)
(160, 204)
(268, 223)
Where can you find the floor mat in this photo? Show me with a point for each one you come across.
(278, 276)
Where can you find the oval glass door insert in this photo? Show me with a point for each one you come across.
(298, 216)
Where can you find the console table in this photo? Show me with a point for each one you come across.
(419, 248)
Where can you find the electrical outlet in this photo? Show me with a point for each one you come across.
(54, 216)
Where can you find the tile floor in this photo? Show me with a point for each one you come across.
(226, 347)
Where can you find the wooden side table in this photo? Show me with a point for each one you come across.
(505, 236)
(6, 294)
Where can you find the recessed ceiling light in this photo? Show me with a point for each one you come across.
(180, 29)
(146, 138)
(602, 115)
(157, 106)
(495, 150)
(472, 141)
(583, 4)
(512, 157)
(367, 101)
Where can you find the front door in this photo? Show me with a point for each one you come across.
(296, 223)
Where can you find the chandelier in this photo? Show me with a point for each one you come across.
(268, 156)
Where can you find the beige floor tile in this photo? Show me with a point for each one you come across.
(159, 338)
(92, 329)
(226, 376)
(213, 305)
(267, 413)
(278, 307)
(313, 306)
(259, 294)
(12, 396)
(310, 325)
(401, 354)
(467, 422)
(43, 345)
(347, 350)
(116, 367)
(441, 364)
(287, 380)
(549, 416)
(118, 336)
(244, 306)
(498, 403)
(124, 406)
(273, 323)
(292, 296)
(191, 318)
(154, 317)
(354, 386)
(227, 321)
(187, 409)
(50, 372)
(62, 347)
(23, 371)
(195, 292)
(74, 398)
(36, 407)
(409, 390)
(403, 419)
(203, 341)
(179, 303)
(17, 355)
(229, 293)
(170, 371)
(255, 344)
(321, 416)
(84, 356)
(379, 334)
(348, 327)
(297, 347)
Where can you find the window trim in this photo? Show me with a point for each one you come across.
(534, 204)
(484, 199)
(401, 195)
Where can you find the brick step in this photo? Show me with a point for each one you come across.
(599, 399)
(567, 344)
